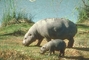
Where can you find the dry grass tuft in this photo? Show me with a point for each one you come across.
(13, 55)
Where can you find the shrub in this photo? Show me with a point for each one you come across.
(10, 16)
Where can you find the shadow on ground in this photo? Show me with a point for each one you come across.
(15, 33)
(81, 48)
(76, 57)
(83, 25)
(33, 46)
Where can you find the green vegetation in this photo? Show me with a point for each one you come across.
(15, 29)
(84, 11)
(11, 16)
(13, 22)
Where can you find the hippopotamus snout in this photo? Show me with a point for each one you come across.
(42, 50)
(25, 43)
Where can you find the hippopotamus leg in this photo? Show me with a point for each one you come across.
(71, 42)
(51, 51)
(39, 42)
(61, 53)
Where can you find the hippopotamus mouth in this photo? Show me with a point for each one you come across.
(41, 52)
(25, 43)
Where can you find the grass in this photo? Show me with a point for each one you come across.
(11, 16)
(15, 28)
(11, 47)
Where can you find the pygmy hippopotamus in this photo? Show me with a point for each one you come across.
(54, 45)
(52, 28)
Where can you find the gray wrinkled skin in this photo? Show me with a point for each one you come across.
(53, 28)
(54, 45)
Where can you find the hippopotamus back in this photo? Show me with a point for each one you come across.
(56, 28)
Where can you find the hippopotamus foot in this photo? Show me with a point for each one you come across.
(38, 45)
(70, 43)
(61, 53)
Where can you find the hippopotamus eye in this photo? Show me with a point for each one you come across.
(25, 38)
(43, 47)
(30, 34)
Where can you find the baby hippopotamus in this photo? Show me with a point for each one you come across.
(54, 45)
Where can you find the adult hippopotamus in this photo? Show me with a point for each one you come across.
(52, 28)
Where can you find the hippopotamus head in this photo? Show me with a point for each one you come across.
(43, 49)
(29, 37)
